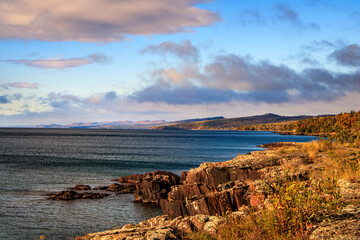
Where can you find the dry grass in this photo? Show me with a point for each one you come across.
(315, 147)
(339, 160)
(198, 236)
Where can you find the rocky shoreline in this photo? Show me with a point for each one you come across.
(198, 200)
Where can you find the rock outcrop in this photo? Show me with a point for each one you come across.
(345, 225)
(195, 202)
(118, 188)
(161, 228)
(151, 187)
(147, 188)
(219, 188)
(72, 195)
(81, 187)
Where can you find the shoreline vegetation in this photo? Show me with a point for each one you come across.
(288, 191)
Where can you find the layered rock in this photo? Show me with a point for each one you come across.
(154, 186)
(147, 188)
(224, 189)
(219, 188)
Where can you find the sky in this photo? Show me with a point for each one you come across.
(65, 61)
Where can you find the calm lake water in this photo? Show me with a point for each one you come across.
(36, 162)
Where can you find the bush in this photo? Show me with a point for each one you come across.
(291, 208)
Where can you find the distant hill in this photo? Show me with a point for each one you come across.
(196, 120)
(231, 123)
(107, 125)
(145, 124)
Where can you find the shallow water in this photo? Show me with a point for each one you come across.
(36, 162)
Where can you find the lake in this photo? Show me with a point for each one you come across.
(36, 162)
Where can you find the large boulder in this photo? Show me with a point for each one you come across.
(154, 186)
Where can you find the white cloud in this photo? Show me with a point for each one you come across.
(21, 85)
(63, 63)
(55, 63)
(98, 20)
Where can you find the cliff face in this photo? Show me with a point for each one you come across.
(219, 188)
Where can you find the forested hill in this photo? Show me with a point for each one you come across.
(232, 123)
(341, 127)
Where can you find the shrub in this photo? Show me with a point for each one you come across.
(290, 209)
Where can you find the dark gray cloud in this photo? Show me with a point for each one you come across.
(280, 13)
(285, 13)
(232, 77)
(183, 50)
(17, 96)
(307, 52)
(4, 99)
(100, 58)
(59, 100)
(110, 96)
(9, 98)
(250, 17)
(321, 45)
(186, 95)
(347, 56)
(66, 101)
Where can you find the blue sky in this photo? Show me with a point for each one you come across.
(107, 60)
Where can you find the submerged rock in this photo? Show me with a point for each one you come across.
(118, 188)
(81, 187)
(72, 195)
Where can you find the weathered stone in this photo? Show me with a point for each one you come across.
(161, 227)
(173, 208)
(202, 199)
(349, 189)
(154, 186)
(160, 234)
(211, 225)
(345, 225)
